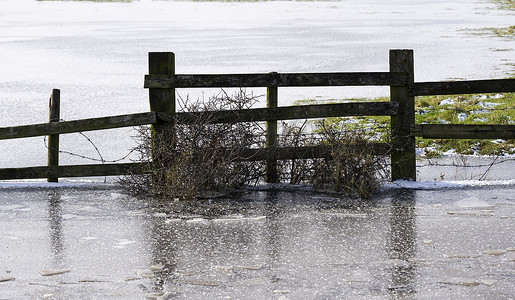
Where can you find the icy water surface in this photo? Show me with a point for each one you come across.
(403, 244)
(96, 53)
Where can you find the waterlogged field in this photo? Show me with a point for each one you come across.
(91, 243)
(450, 240)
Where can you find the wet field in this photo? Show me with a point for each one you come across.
(91, 241)
(403, 244)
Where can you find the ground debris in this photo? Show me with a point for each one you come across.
(344, 214)
(495, 252)
(419, 260)
(3, 279)
(488, 282)
(131, 278)
(250, 267)
(281, 292)
(157, 268)
(200, 282)
(471, 213)
(238, 218)
(462, 282)
(224, 268)
(50, 272)
(462, 255)
(198, 220)
(427, 242)
(185, 273)
(145, 273)
(43, 284)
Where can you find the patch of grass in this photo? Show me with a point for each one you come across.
(506, 32)
(498, 109)
(506, 4)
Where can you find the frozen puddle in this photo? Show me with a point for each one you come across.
(430, 243)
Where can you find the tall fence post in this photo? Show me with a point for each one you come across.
(271, 136)
(161, 100)
(403, 163)
(53, 139)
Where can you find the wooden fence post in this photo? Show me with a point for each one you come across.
(53, 139)
(403, 163)
(271, 137)
(161, 100)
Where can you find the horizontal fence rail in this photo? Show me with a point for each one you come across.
(319, 151)
(162, 81)
(284, 153)
(71, 171)
(287, 112)
(120, 121)
(463, 131)
(462, 87)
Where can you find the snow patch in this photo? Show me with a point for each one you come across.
(447, 101)
(432, 185)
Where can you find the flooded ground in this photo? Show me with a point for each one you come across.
(402, 244)
(90, 241)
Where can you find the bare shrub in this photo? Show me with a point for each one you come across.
(353, 168)
(296, 171)
(199, 157)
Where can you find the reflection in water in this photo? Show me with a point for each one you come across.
(402, 241)
(302, 239)
(272, 228)
(163, 242)
(56, 226)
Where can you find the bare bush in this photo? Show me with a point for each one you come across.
(353, 167)
(201, 156)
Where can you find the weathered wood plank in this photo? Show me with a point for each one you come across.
(71, 171)
(462, 87)
(159, 81)
(320, 151)
(463, 131)
(138, 168)
(288, 112)
(54, 115)
(271, 174)
(404, 159)
(77, 125)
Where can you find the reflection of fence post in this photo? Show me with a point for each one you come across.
(271, 137)
(161, 100)
(403, 155)
(53, 139)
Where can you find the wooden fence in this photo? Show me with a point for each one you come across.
(162, 82)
